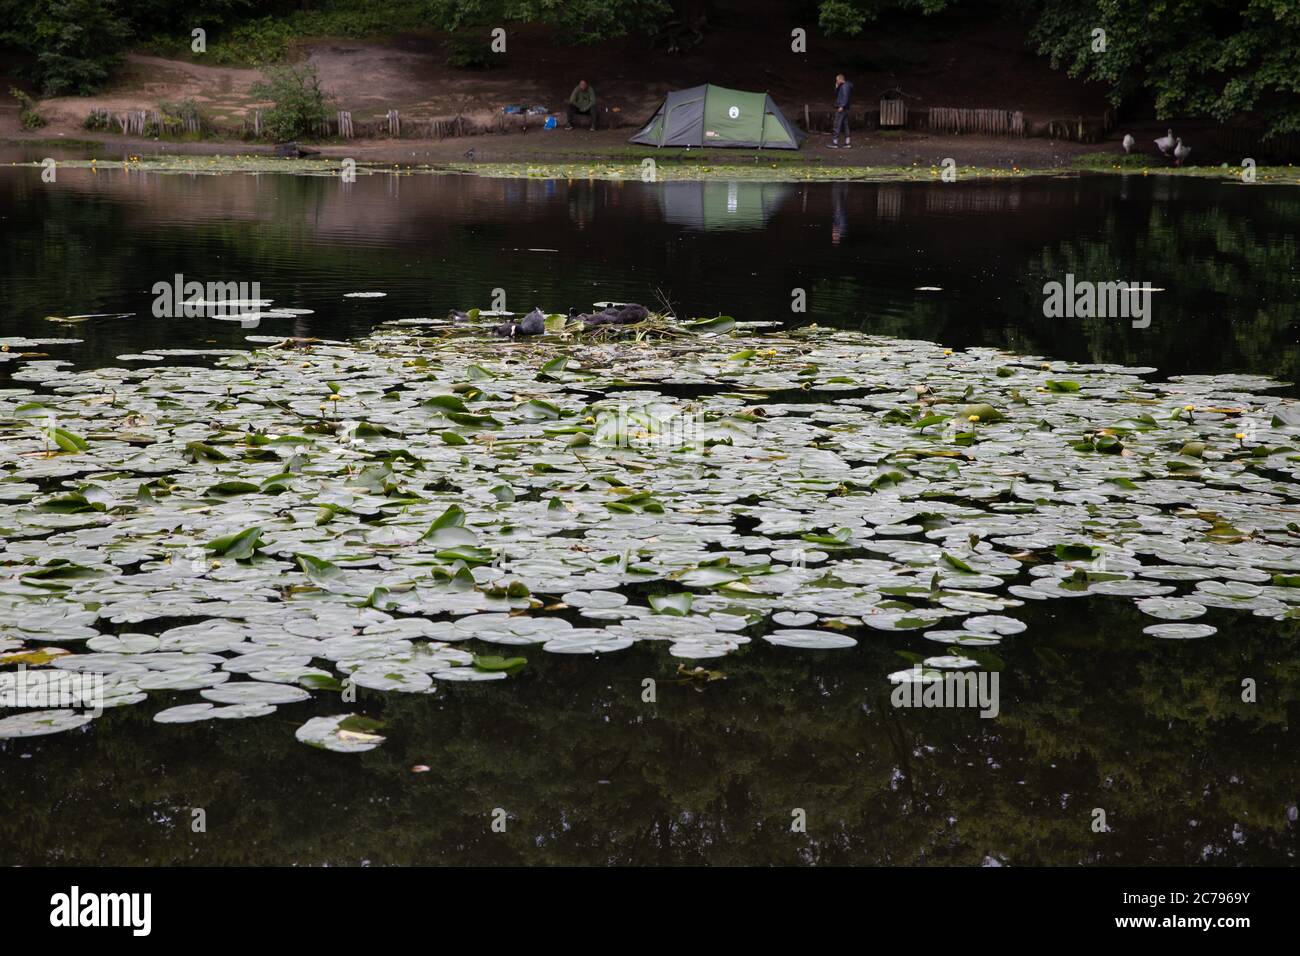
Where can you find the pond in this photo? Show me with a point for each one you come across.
(672, 598)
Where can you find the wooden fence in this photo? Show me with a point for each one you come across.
(392, 124)
(132, 122)
(151, 122)
(340, 125)
(936, 119)
(944, 119)
(893, 114)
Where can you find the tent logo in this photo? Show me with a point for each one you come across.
(734, 112)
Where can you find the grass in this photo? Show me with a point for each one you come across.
(1154, 165)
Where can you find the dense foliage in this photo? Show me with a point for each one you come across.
(76, 43)
(583, 21)
(1217, 58)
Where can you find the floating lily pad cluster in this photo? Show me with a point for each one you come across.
(309, 514)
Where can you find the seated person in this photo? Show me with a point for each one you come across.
(582, 102)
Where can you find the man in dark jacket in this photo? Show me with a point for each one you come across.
(582, 102)
(843, 100)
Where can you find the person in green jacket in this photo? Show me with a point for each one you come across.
(582, 102)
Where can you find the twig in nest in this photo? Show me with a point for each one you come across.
(667, 306)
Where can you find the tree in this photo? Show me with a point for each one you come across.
(584, 21)
(76, 42)
(1216, 58)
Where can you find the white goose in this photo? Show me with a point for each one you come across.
(1181, 152)
(1166, 143)
(1129, 142)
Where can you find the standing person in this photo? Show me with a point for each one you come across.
(843, 100)
(582, 102)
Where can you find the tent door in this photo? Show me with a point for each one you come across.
(669, 131)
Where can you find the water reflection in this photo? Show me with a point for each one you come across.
(1152, 731)
(96, 242)
(722, 205)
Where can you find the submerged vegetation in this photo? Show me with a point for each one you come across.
(428, 505)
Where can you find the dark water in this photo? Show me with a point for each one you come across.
(1225, 254)
(1094, 713)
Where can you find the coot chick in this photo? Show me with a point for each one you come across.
(617, 315)
(456, 315)
(603, 317)
(632, 313)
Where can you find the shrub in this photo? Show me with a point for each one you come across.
(27, 114)
(299, 105)
(182, 117)
(98, 120)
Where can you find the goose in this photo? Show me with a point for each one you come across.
(1129, 142)
(1181, 152)
(1166, 143)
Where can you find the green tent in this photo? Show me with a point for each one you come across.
(716, 116)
